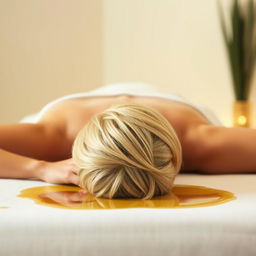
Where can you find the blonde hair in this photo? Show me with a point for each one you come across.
(128, 151)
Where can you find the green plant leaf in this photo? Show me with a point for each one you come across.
(241, 45)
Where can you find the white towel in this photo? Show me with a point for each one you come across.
(134, 89)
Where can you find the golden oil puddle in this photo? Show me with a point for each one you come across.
(70, 197)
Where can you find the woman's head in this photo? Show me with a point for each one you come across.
(128, 151)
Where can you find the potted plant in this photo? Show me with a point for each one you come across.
(240, 43)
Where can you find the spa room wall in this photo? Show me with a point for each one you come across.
(48, 49)
(52, 48)
(176, 45)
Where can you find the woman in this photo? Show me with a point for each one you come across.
(126, 144)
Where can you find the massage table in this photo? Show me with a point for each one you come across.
(28, 228)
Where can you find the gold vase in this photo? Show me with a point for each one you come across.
(242, 114)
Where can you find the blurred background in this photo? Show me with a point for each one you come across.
(52, 48)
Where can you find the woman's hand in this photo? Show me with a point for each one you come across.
(62, 172)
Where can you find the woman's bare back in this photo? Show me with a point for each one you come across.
(68, 117)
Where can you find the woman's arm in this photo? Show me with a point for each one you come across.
(21, 167)
(219, 150)
(25, 151)
(43, 141)
(16, 166)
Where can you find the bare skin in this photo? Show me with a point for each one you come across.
(43, 150)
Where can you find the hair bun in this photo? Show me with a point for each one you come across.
(129, 150)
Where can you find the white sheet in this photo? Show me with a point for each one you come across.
(227, 229)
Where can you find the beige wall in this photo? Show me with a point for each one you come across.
(50, 48)
(175, 44)
(47, 49)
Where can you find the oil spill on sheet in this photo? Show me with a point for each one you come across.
(70, 197)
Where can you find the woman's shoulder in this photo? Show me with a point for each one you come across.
(66, 117)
